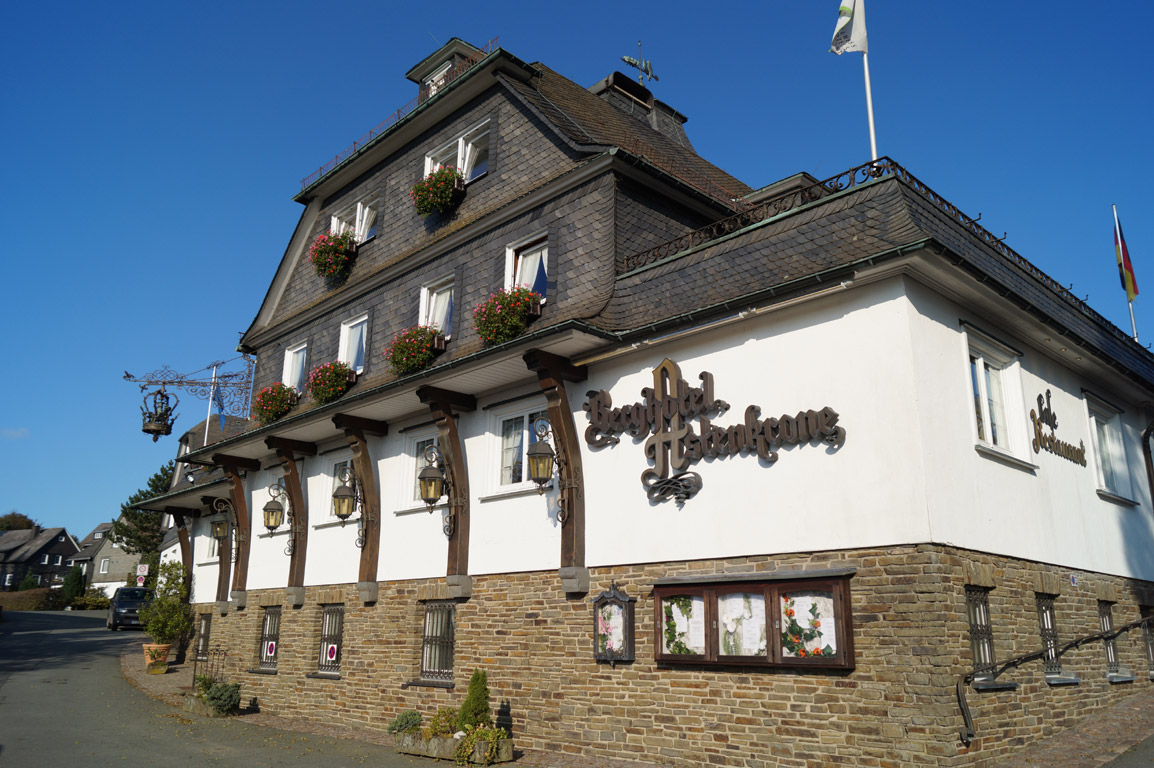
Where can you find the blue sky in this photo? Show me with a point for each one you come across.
(151, 151)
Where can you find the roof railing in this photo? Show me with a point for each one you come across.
(426, 93)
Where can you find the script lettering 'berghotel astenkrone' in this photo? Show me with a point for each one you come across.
(667, 413)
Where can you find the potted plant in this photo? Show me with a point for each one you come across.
(328, 382)
(273, 401)
(332, 255)
(167, 619)
(506, 314)
(439, 192)
(475, 740)
(414, 348)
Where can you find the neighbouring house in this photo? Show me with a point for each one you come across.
(88, 547)
(111, 567)
(838, 476)
(42, 552)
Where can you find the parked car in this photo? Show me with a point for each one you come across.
(124, 607)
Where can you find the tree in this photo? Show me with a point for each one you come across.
(14, 521)
(73, 584)
(29, 582)
(140, 531)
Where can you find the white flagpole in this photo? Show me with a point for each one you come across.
(1122, 269)
(211, 392)
(865, 59)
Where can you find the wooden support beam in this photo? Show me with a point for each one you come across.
(552, 373)
(300, 447)
(441, 403)
(345, 422)
(185, 551)
(299, 531)
(363, 467)
(236, 462)
(243, 526)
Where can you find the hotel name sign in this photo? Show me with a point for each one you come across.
(1044, 417)
(666, 414)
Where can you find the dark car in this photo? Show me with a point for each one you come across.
(124, 607)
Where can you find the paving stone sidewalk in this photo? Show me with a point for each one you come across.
(1091, 744)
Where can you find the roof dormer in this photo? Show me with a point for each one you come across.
(438, 67)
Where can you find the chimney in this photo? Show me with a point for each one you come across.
(634, 99)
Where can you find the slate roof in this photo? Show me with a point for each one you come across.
(90, 543)
(864, 222)
(22, 547)
(587, 119)
(233, 425)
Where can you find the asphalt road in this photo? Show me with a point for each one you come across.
(63, 701)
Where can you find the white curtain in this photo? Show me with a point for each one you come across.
(441, 310)
(356, 346)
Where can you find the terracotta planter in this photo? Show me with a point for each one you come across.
(156, 652)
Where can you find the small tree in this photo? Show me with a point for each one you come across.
(29, 582)
(475, 710)
(14, 521)
(73, 584)
(140, 531)
(168, 619)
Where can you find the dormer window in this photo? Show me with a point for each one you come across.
(362, 220)
(294, 367)
(527, 265)
(437, 79)
(468, 153)
(437, 306)
(352, 342)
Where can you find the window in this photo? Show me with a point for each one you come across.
(981, 634)
(1109, 453)
(98, 536)
(269, 637)
(1048, 629)
(294, 366)
(203, 633)
(997, 397)
(527, 265)
(437, 644)
(60, 538)
(787, 623)
(1106, 620)
(352, 342)
(437, 79)
(332, 627)
(517, 434)
(59, 559)
(104, 565)
(116, 545)
(468, 153)
(362, 220)
(213, 548)
(44, 559)
(437, 306)
(70, 563)
(7, 579)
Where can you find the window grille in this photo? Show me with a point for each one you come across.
(1047, 627)
(1106, 617)
(203, 632)
(269, 637)
(981, 634)
(332, 625)
(437, 656)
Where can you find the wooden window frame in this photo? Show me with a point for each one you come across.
(771, 591)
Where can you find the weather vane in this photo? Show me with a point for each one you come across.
(230, 392)
(644, 66)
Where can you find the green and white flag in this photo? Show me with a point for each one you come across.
(850, 32)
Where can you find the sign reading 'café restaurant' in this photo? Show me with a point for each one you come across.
(667, 414)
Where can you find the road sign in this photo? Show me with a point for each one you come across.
(142, 569)
(140, 581)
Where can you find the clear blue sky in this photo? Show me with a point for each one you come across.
(151, 151)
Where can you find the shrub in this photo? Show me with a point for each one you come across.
(332, 255)
(73, 584)
(464, 749)
(224, 697)
(167, 618)
(475, 709)
(438, 192)
(444, 723)
(93, 599)
(412, 349)
(328, 382)
(28, 582)
(203, 685)
(39, 599)
(505, 315)
(406, 722)
(273, 401)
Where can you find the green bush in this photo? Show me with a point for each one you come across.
(73, 584)
(168, 619)
(464, 749)
(28, 582)
(93, 599)
(203, 685)
(40, 599)
(475, 709)
(444, 723)
(406, 722)
(224, 697)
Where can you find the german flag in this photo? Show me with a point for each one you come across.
(1125, 269)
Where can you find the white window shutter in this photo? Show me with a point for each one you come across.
(334, 225)
(365, 218)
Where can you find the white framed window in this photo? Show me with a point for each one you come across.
(468, 153)
(437, 306)
(1109, 450)
(213, 548)
(361, 219)
(70, 563)
(59, 559)
(995, 390)
(104, 562)
(60, 538)
(352, 342)
(7, 579)
(515, 433)
(295, 359)
(527, 264)
(435, 81)
(44, 559)
(98, 535)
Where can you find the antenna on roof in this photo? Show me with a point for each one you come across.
(644, 66)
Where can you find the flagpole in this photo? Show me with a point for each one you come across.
(865, 60)
(211, 392)
(1117, 246)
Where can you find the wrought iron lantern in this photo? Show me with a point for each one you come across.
(613, 626)
(274, 509)
(431, 479)
(541, 457)
(345, 495)
(158, 418)
(219, 529)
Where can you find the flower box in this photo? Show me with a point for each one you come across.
(439, 192)
(442, 748)
(332, 255)
(506, 314)
(413, 349)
